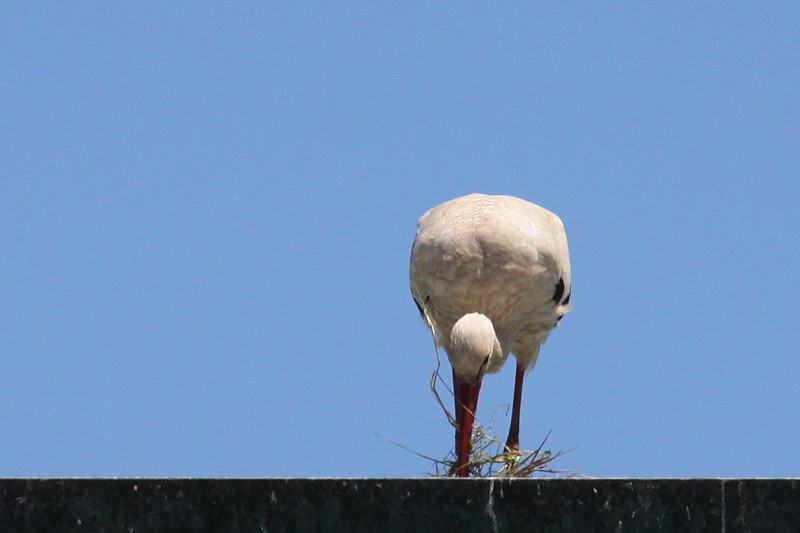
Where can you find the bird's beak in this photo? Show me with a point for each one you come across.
(466, 405)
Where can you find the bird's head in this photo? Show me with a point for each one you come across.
(473, 348)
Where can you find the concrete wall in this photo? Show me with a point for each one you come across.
(388, 505)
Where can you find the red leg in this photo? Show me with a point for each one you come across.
(513, 431)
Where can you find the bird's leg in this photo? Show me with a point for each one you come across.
(513, 432)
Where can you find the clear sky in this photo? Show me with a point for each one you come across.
(207, 208)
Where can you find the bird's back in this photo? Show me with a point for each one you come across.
(500, 256)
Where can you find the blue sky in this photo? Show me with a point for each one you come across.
(207, 210)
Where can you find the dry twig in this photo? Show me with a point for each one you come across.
(490, 457)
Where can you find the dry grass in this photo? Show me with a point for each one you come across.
(490, 457)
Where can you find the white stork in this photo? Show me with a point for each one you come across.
(491, 276)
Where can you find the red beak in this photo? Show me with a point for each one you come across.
(466, 405)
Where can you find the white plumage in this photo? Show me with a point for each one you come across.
(491, 275)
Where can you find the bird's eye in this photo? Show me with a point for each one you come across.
(482, 369)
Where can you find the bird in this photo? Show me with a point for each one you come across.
(490, 275)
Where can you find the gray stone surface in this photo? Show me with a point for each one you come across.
(388, 505)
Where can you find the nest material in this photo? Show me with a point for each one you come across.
(489, 456)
